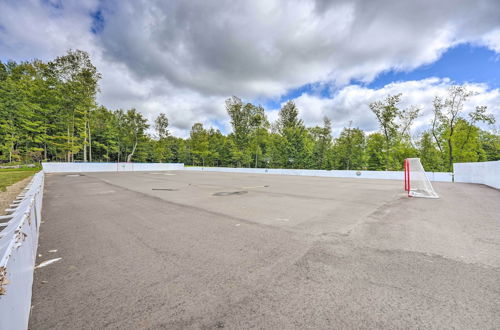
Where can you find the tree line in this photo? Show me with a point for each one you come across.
(48, 111)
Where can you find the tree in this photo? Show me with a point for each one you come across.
(240, 120)
(466, 146)
(490, 143)
(375, 152)
(103, 125)
(161, 126)
(322, 137)
(394, 123)
(131, 128)
(259, 142)
(160, 146)
(250, 128)
(289, 118)
(78, 81)
(349, 149)
(448, 112)
(429, 154)
(295, 147)
(387, 112)
(199, 143)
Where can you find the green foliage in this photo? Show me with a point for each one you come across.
(349, 149)
(289, 118)
(430, 156)
(322, 145)
(490, 143)
(395, 125)
(452, 131)
(375, 156)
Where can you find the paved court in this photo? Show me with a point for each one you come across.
(203, 250)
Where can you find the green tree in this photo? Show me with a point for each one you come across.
(349, 149)
(465, 144)
(160, 147)
(199, 144)
(295, 147)
(131, 132)
(448, 113)
(77, 83)
(161, 126)
(429, 154)
(490, 143)
(395, 125)
(375, 158)
(322, 137)
(104, 127)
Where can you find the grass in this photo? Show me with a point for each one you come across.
(10, 176)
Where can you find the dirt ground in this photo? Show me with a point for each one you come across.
(6, 197)
(201, 250)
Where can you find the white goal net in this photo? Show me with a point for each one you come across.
(416, 182)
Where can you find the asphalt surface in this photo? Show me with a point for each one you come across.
(201, 250)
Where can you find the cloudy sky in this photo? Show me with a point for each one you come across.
(184, 58)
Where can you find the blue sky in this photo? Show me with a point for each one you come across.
(464, 63)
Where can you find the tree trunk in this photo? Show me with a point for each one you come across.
(129, 157)
(387, 155)
(85, 143)
(450, 150)
(68, 159)
(90, 145)
(72, 138)
(11, 148)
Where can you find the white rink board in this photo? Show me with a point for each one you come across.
(135, 167)
(109, 167)
(18, 246)
(386, 175)
(487, 173)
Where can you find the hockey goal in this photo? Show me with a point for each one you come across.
(416, 182)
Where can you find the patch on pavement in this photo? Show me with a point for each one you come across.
(228, 193)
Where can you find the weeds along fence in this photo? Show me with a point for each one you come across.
(18, 246)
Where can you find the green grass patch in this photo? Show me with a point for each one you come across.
(22, 169)
(11, 176)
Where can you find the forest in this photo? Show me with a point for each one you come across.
(49, 112)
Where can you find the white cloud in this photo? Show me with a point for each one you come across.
(263, 48)
(185, 57)
(351, 103)
(45, 29)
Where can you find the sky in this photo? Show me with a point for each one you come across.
(332, 58)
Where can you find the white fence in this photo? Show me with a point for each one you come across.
(487, 173)
(109, 167)
(117, 167)
(18, 245)
(387, 175)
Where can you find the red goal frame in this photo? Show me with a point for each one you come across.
(407, 176)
